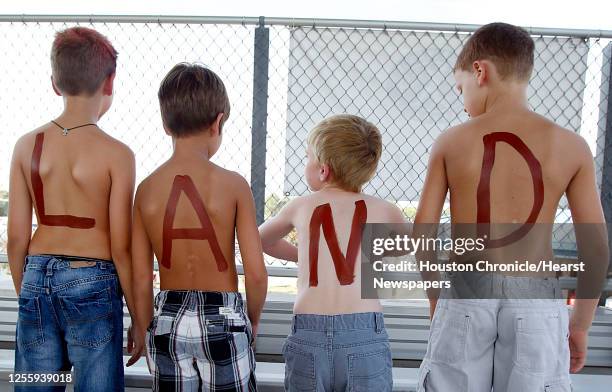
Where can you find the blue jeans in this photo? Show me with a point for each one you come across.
(71, 315)
(346, 352)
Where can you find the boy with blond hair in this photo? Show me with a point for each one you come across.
(508, 164)
(188, 213)
(338, 340)
(71, 274)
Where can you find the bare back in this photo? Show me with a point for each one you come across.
(188, 210)
(511, 168)
(333, 292)
(69, 178)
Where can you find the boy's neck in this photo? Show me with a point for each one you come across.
(508, 96)
(191, 147)
(80, 110)
(333, 187)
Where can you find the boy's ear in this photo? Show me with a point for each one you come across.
(216, 126)
(481, 70)
(325, 173)
(107, 85)
(55, 87)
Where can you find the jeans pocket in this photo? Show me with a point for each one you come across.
(29, 323)
(299, 369)
(371, 371)
(89, 317)
(538, 341)
(448, 337)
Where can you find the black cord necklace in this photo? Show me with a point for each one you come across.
(66, 130)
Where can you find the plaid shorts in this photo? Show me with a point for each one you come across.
(200, 341)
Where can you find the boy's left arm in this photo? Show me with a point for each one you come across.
(273, 232)
(19, 217)
(142, 276)
(123, 173)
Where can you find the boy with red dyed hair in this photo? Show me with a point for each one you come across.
(71, 274)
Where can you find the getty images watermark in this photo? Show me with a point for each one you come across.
(400, 261)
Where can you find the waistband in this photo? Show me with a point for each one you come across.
(58, 262)
(497, 286)
(339, 322)
(195, 298)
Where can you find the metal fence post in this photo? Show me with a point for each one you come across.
(260, 116)
(606, 165)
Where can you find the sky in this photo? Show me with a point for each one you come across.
(587, 14)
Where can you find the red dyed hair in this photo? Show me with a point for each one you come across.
(81, 59)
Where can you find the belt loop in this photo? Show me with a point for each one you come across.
(102, 265)
(49, 267)
(379, 323)
(329, 325)
(293, 326)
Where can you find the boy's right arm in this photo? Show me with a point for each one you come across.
(428, 213)
(255, 273)
(592, 244)
(19, 217)
(273, 232)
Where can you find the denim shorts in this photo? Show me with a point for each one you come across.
(71, 316)
(200, 341)
(346, 352)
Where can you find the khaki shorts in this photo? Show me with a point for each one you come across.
(499, 345)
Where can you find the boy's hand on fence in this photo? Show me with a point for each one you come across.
(578, 340)
(135, 345)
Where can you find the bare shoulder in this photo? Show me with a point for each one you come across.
(25, 144)
(383, 211)
(453, 137)
(571, 144)
(233, 180)
(118, 151)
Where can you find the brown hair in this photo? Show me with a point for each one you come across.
(350, 145)
(81, 59)
(191, 97)
(509, 47)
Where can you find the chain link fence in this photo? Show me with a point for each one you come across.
(283, 76)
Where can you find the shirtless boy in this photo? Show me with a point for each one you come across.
(71, 274)
(338, 340)
(508, 164)
(187, 213)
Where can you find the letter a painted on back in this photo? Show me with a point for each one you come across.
(183, 183)
(345, 266)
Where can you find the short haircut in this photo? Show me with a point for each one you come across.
(509, 47)
(81, 59)
(191, 97)
(350, 145)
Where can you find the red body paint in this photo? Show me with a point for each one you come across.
(205, 232)
(345, 266)
(484, 191)
(75, 222)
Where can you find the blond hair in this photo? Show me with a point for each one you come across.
(350, 145)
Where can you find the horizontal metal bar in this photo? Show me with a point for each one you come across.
(293, 22)
(272, 271)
